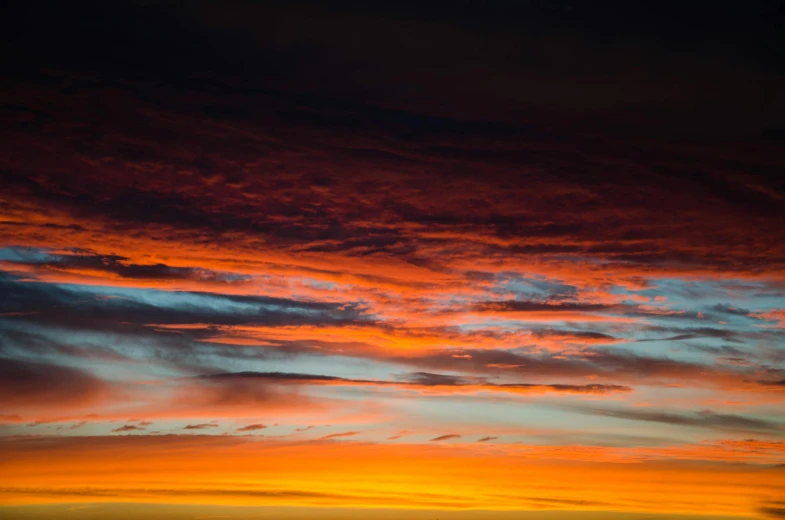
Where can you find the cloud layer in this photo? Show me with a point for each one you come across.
(463, 286)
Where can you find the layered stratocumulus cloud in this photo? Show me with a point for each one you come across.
(351, 297)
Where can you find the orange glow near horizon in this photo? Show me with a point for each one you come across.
(256, 472)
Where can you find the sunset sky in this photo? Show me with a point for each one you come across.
(393, 260)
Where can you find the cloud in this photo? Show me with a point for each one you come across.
(252, 427)
(201, 426)
(37, 385)
(701, 419)
(422, 381)
(695, 333)
(531, 306)
(577, 336)
(128, 428)
(457, 261)
(549, 312)
(83, 308)
(486, 439)
(773, 383)
(430, 379)
(446, 437)
(610, 364)
(119, 266)
(773, 509)
(339, 435)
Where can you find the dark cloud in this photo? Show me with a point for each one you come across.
(128, 428)
(243, 393)
(557, 305)
(124, 268)
(47, 308)
(576, 335)
(274, 376)
(37, 384)
(416, 380)
(773, 509)
(773, 383)
(252, 427)
(683, 334)
(430, 379)
(486, 439)
(609, 363)
(228, 199)
(339, 435)
(58, 305)
(529, 306)
(201, 426)
(701, 419)
(445, 437)
(730, 310)
(725, 350)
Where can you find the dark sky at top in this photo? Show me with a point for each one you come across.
(685, 70)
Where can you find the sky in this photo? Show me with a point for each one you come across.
(393, 260)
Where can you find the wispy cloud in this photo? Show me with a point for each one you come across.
(128, 428)
(201, 426)
(446, 437)
(339, 435)
(252, 427)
